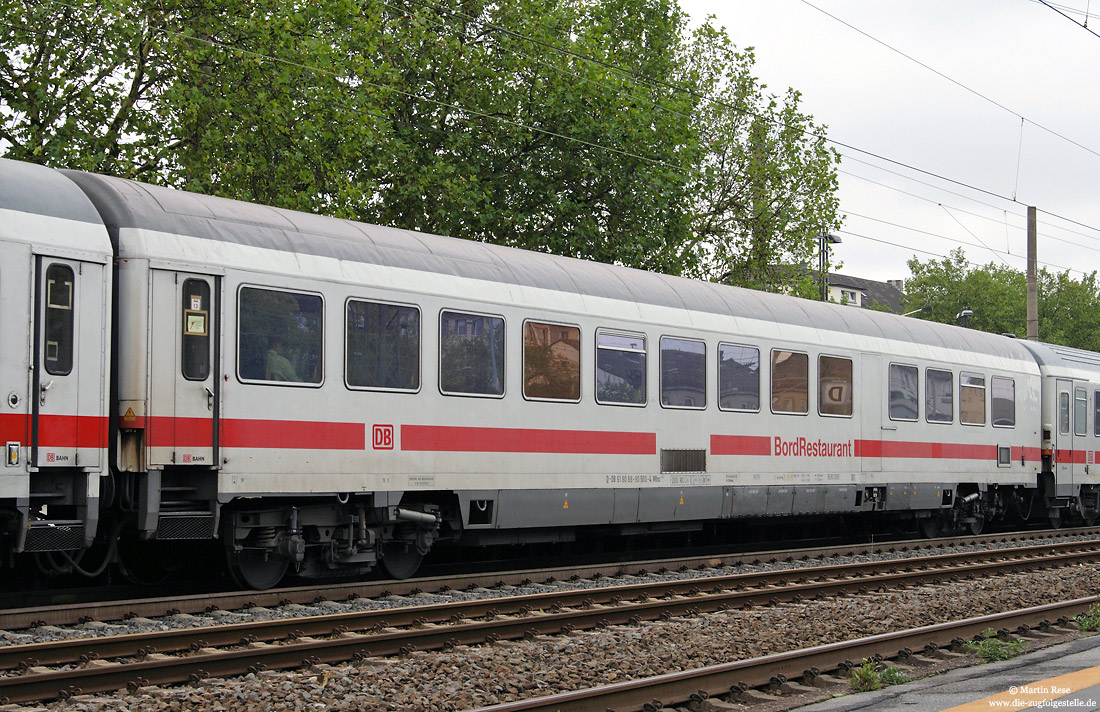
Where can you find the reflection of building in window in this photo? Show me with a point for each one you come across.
(683, 373)
(939, 398)
(620, 368)
(382, 346)
(551, 361)
(738, 377)
(279, 336)
(904, 398)
(471, 354)
(790, 382)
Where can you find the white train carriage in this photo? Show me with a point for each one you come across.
(55, 319)
(338, 394)
(1070, 417)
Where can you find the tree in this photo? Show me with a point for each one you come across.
(1069, 309)
(600, 130)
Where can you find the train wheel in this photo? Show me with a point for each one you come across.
(257, 569)
(930, 527)
(400, 559)
(976, 526)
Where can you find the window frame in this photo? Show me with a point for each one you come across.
(759, 375)
(992, 395)
(645, 356)
(523, 360)
(237, 337)
(661, 372)
(207, 342)
(889, 413)
(52, 311)
(1080, 407)
(927, 414)
(985, 397)
(851, 383)
(1065, 408)
(419, 346)
(771, 382)
(1096, 412)
(503, 363)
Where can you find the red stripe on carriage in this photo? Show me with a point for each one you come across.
(56, 431)
(293, 434)
(447, 438)
(740, 445)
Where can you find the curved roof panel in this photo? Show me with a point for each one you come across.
(126, 204)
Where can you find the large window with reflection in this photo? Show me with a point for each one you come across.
(382, 346)
(790, 382)
(939, 396)
(738, 377)
(904, 396)
(280, 336)
(1003, 402)
(834, 385)
(683, 373)
(471, 354)
(551, 362)
(620, 368)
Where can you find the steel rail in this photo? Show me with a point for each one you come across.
(70, 613)
(716, 680)
(727, 591)
(431, 627)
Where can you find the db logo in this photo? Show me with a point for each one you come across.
(51, 457)
(382, 437)
(187, 458)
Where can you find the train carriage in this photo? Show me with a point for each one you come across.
(55, 285)
(327, 396)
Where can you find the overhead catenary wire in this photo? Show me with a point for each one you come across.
(595, 145)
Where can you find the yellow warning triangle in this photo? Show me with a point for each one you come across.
(681, 498)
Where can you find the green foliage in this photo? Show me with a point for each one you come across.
(990, 648)
(600, 130)
(872, 675)
(865, 678)
(1069, 309)
(1089, 620)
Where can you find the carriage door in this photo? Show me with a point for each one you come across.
(67, 427)
(184, 369)
(1065, 443)
(871, 404)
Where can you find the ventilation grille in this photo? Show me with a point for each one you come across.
(42, 536)
(683, 460)
(185, 526)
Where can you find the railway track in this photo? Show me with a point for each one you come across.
(71, 609)
(732, 680)
(43, 671)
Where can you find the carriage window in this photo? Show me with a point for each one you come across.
(790, 382)
(971, 399)
(939, 396)
(195, 358)
(1003, 403)
(683, 373)
(620, 369)
(471, 354)
(738, 377)
(904, 398)
(834, 385)
(1080, 411)
(1096, 413)
(279, 336)
(1063, 413)
(58, 326)
(551, 362)
(382, 347)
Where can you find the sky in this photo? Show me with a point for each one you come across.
(1003, 114)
